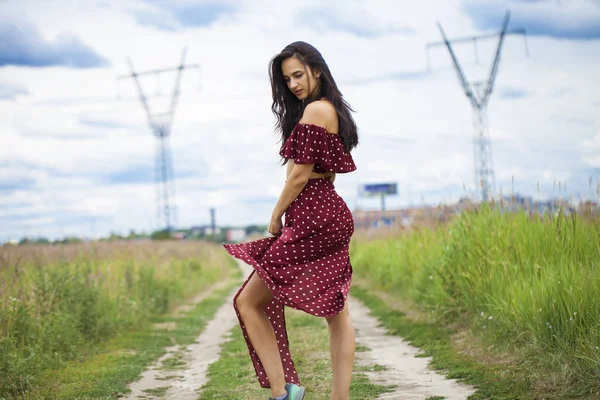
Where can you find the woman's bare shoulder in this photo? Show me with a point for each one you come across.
(321, 113)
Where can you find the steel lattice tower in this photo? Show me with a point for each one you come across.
(160, 125)
(479, 95)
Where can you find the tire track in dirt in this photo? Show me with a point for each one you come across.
(412, 379)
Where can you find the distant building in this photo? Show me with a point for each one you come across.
(204, 230)
(408, 217)
(179, 235)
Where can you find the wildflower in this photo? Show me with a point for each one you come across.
(481, 314)
(490, 317)
(540, 310)
(430, 276)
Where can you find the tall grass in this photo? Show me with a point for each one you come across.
(57, 302)
(527, 281)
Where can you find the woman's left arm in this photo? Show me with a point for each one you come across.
(293, 186)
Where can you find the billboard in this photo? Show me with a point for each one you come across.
(377, 189)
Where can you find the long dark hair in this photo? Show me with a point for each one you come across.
(288, 109)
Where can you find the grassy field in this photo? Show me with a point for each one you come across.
(502, 297)
(63, 306)
(506, 302)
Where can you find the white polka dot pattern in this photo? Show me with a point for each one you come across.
(312, 144)
(307, 267)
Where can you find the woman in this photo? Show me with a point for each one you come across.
(305, 265)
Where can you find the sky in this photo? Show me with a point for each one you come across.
(77, 155)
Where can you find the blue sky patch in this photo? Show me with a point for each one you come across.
(202, 14)
(562, 19)
(149, 18)
(9, 91)
(20, 181)
(177, 16)
(324, 20)
(24, 46)
(513, 93)
(252, 201)
(106, 124)
(395, 76)
(19, 217)
(12, 186)
(144, 173)
(132, 175)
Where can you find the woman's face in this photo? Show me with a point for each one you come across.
(298, 81)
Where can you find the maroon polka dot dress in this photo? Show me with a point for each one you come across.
(307, 267)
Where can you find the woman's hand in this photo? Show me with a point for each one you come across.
(275, 226)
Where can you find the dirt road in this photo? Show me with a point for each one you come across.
(409, 374)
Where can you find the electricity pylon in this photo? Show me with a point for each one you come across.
(479, 95)
(161, 124)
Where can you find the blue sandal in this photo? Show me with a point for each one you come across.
(295, 392)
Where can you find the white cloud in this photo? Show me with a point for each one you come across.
(70, 135)
(591, 151)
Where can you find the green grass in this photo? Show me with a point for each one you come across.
(168, 377)
(232, 377)
(370, 368)
(59, 310)
(526, 289)
(106, 374)
(158, 392)
(174, 362)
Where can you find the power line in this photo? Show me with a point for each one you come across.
(479, 94)
(161, 124)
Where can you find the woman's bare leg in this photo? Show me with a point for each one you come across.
(342, 346)
(251, 304)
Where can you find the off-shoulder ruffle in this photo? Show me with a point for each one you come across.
(312, 144)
